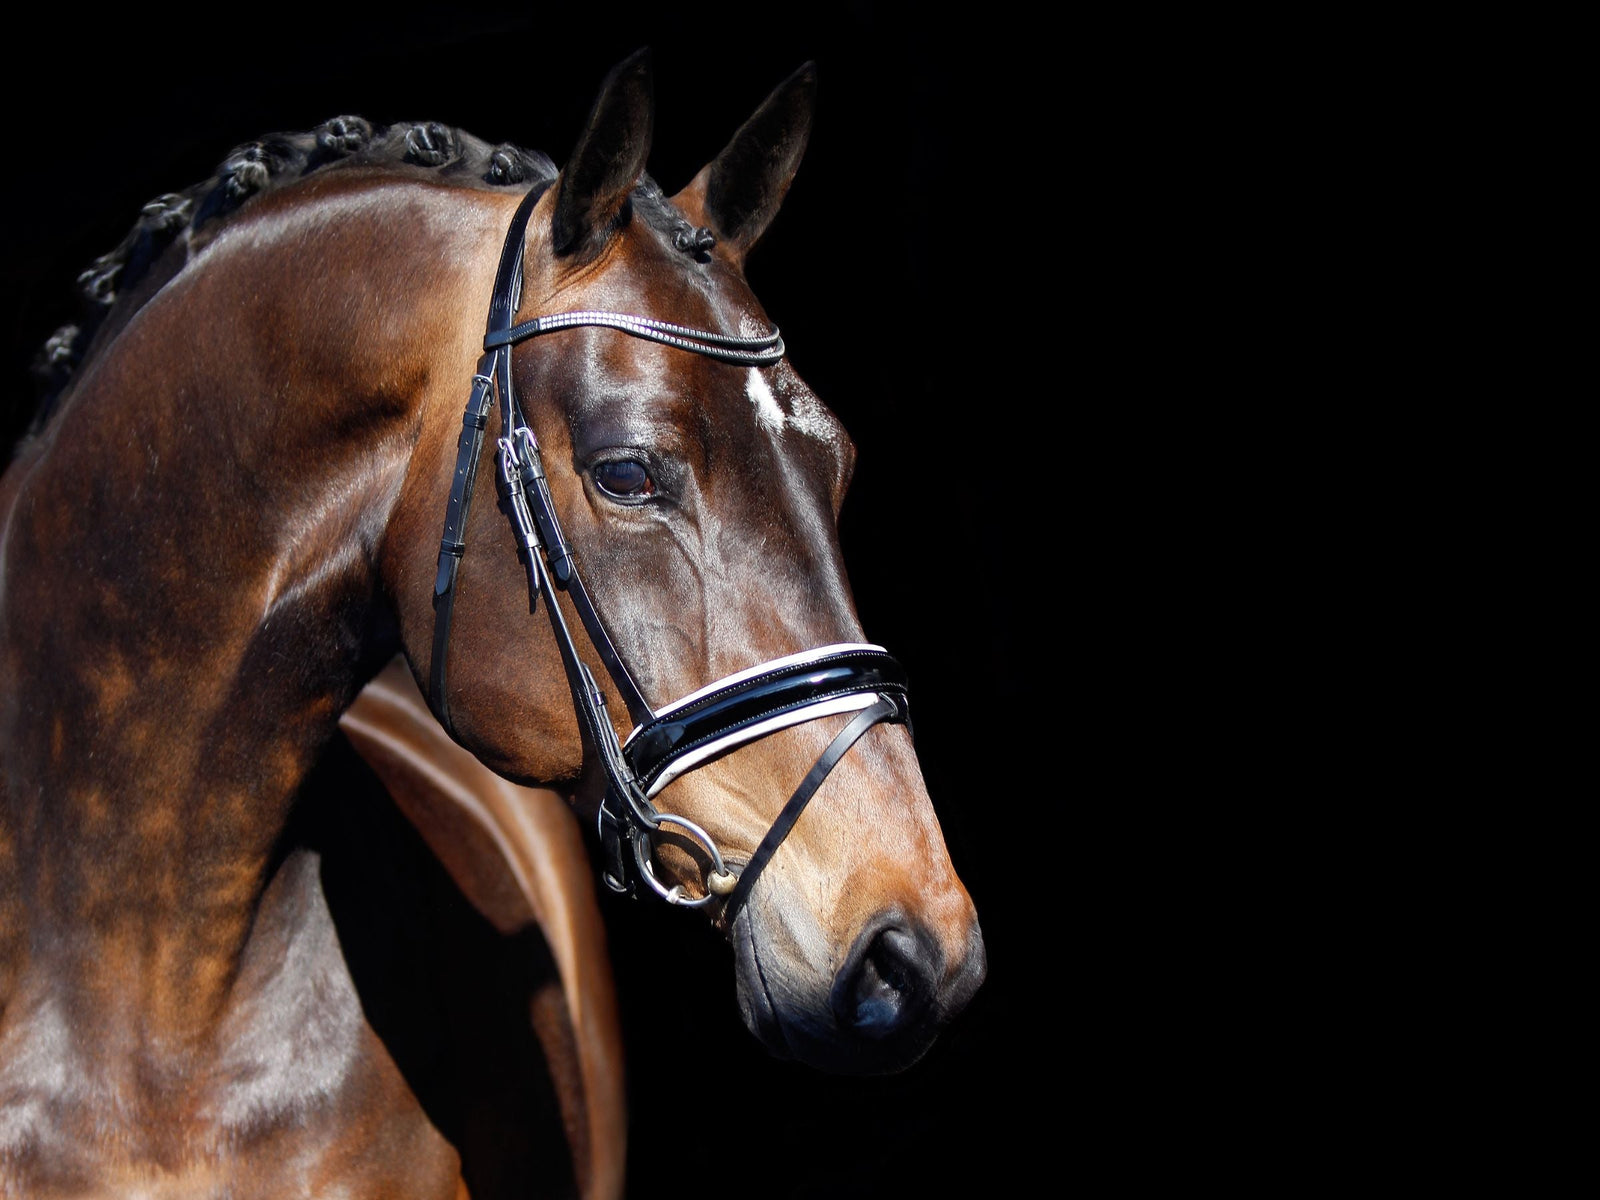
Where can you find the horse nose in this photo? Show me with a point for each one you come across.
(901, 980)
(888, 983)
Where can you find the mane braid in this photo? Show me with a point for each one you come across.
(157, 246)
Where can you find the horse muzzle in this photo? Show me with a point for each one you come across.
(898, 985)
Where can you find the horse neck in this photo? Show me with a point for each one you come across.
(188, 585)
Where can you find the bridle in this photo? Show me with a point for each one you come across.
(691, 731)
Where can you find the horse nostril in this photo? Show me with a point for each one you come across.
(885, 985)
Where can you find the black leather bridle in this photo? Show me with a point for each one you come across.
(686, 733)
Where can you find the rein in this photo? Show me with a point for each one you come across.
(691, 731)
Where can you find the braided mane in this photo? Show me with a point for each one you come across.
(119, 282)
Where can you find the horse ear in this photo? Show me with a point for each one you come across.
(741, 189)
(609, 158)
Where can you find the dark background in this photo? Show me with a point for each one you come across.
(891, 271)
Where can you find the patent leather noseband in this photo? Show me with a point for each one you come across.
(686, 733)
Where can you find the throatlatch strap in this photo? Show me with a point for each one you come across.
(887, 708)
(468, 451)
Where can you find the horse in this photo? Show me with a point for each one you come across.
(229, 520)
(517, 857)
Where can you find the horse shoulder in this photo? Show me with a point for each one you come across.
(296, 1097)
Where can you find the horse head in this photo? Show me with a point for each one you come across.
(696, 482)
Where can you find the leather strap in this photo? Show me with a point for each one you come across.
(567, 578)
(755, 705)
(761, 351)
(887, 708)
(469, 448)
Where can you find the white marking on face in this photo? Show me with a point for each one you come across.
(807, 414)
(767, 410)
(795, 406)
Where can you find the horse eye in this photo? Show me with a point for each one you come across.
(624, 479)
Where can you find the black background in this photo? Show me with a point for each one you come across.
(892, 272)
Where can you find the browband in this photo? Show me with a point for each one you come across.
(849, 677)
(763, 351)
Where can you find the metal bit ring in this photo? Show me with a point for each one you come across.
(676, 895)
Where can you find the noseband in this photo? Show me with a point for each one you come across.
(687, 733)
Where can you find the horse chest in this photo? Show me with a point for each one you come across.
(295, 1095)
